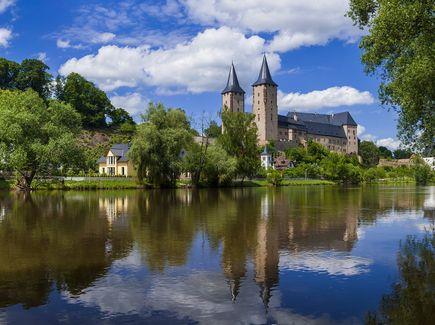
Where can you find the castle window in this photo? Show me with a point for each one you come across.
(258, 116)
(271, 117)
(258, 102)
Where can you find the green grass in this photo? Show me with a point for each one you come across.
(87, 185)
(286, 182)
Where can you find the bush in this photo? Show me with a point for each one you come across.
(275, 177)
(422, 174)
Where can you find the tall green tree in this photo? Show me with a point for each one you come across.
(158, 145)
(399, 47)
(34, 74)
(213, 130)
(8, 73)
(36, 138)
(91, 102)
(402, 154)
(369, 153)
(239, 139)
(384, 152)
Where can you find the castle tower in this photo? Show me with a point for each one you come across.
(265, 106)
(233, 96)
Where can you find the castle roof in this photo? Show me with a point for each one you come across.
(233, 83)
(264, 78)
(317, 124)
(343, 118)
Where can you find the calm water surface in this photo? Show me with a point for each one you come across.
(315, 255)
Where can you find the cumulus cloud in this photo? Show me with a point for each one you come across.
(5, 4)
(331, 97)
(196, 66)
(134, 103)
(42, 56)
(5, 37)
(390, 143)
(294, 23)
(360, 129)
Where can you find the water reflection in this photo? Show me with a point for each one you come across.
(199, 254)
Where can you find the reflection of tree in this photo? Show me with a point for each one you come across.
(54, 239)
(163, 228)
(413, 298)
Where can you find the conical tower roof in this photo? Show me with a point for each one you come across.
(233, 83)
(264, 78)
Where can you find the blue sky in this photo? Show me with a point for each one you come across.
(179, 52)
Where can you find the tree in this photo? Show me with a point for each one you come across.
(213, 130)
(385, 153)
(239, 140)
(369, 153)
(119, 117)
(402, 154)
(8, 73)
(91, 102)
(275, 177)
(422, 171)
(36, 138)
(33, 74)
(157, 146)
(210, 164)
(399, 46)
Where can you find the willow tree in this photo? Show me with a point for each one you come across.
(399, 47)
(35, 137)
(158, 144)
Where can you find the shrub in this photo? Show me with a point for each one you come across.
(275, 177)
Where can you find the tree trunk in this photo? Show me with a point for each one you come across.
(24, 183)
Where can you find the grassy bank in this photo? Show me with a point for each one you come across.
(120, 184)
(286, 182)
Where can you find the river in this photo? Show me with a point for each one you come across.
(291, 255)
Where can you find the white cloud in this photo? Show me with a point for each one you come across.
(360, 130)
(5, 37)
(42, 56)
(390, 143)
(295, 23)
(196, 66)
(331, 97)
(103, 38)
(63, 44)
(5, 4)
(134, 103)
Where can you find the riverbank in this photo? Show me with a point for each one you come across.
(102, 184)
(125, 184)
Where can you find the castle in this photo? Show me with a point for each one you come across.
(337, 132)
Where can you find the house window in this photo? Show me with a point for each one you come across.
(122, 171)
(103, 170)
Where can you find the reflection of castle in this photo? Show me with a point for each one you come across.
(283, 227)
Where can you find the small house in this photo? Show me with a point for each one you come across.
(116, 162)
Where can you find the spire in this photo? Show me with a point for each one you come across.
(264, 78)
(233, 82)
